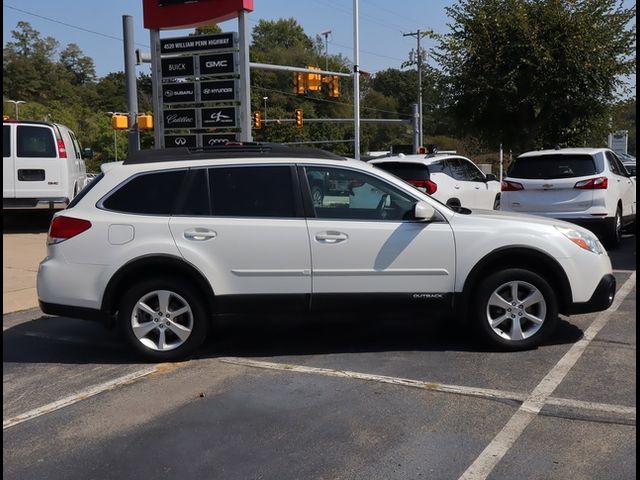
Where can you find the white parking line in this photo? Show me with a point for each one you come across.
(506, 438)
(77, 397)
(628, 412)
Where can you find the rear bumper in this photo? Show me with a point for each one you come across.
(35, 203)
(601, 299)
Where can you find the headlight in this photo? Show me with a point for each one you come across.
(585, 240)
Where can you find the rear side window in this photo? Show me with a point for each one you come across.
(252, 191)
(6, 141)
(150, 193)
(35, 142)
(553, 166)
(408, 171)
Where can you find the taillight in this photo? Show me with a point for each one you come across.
(508, 186)
(62, 151)
(63, 228)
(429, 186)
(600, 183)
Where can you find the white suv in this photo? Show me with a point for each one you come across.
(171, 238)
(452, 179)
(587, 186)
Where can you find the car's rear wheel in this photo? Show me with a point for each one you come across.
(496, 203)
(163, 319)
(613, 235)
(515, 309)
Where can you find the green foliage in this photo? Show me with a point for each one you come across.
(517, 72)
(534, 72)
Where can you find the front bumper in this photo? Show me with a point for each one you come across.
(601, 299)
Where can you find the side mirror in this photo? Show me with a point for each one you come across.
(87, 152)
(423, 211)
(490, 177)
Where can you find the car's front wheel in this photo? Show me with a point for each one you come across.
(163, 319)
(515, 309)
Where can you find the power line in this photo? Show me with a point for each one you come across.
(69, 25)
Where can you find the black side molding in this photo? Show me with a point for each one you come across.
(601, 299)
(73, 312)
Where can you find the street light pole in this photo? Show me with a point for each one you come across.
(16, 103)
(326, 48)
(115, 138)
(265, 108)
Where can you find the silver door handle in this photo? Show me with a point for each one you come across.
(199, 234)
(331, 237)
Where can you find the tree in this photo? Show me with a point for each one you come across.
(78, 65)
(529, 73)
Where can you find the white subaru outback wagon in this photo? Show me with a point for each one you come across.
(171, 238)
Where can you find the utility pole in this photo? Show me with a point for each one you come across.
(130, 82)
(326, 48)
(418, 35)
(356, 79)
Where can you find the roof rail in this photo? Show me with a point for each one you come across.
(229, 150)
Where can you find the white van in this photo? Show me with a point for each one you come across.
(42, 165)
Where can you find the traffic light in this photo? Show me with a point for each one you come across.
(300, 83)
(314, 80)
(299, 118)
(334, 86)
(145, 122)
(119, 121)
(257, 120)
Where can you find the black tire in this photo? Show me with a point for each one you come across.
(613, 232)
(496, 203)
(504, 333)
(317, 196)
(181, 294)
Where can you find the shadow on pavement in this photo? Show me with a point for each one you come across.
(70, 341)
(26, 221)
(624, 257)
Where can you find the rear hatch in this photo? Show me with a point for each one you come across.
(417, 174)
(547, 183)
(38, 171)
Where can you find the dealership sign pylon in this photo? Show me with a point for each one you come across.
(200, 83)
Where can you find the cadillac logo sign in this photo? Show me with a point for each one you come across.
(182, 118)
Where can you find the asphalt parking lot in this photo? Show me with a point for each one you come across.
(341, 398)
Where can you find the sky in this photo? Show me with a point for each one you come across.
(382, 25)
(96, 26)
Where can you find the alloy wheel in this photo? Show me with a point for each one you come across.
(516, 310)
